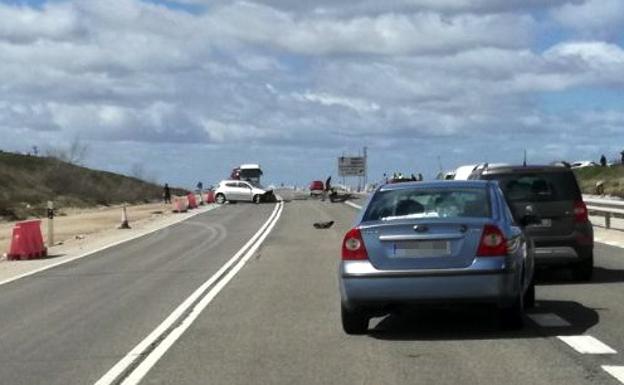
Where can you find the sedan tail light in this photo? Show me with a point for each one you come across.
(580, 212)
(353, 246)
(493, 242)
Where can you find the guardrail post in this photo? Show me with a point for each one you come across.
(608, 220)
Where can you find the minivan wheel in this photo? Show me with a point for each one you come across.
(354, 321)
(529, 297)
(257, 199)
(583, 270)
(512, 317)
(220, 199)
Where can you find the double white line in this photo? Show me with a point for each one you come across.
(137, 363)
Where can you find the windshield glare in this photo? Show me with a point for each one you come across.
(434, 203)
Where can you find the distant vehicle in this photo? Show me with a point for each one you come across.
(464, 172)
(583, 164)
(242, 191)
(435, 242)
(247, 172)
(316, 188)
(449, 175)
(564, 236)
(400, 178)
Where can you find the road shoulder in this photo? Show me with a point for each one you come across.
(60, 254)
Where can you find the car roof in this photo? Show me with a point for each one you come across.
(510, 169)
(436, 184)
(232, 181)
(249, 166)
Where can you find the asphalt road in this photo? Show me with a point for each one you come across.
(70, 324)
(277, 321)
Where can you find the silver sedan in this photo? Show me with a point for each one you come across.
(439, 242)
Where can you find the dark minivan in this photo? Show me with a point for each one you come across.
(562, 232)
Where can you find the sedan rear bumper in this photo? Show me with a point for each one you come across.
(362, 285)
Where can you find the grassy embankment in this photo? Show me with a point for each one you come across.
(28, 182)
(613, 178)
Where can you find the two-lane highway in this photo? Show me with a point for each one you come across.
(276, 320)
(70, 324)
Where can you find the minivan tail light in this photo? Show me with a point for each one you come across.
(580, 212)
(493, 242)
(353, 248)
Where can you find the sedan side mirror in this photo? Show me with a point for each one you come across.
(529, 220)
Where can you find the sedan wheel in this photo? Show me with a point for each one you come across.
(529, 297)
(257, 199)
(220, 199)
(512, 317)
(354, 321)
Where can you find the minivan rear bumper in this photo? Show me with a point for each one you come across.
(572, 248)
(363, 285)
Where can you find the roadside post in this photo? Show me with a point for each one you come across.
(50, 223)
(124, 218)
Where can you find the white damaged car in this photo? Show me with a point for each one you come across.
(242, 191)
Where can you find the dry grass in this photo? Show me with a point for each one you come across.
(613, 178)
(28, 182)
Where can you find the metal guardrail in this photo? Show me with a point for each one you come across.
(605, 207)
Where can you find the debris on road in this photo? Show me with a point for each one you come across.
(323, 225)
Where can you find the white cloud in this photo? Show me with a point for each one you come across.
(347, 7)
(24, 24)
(386, 34)
(325, 99)
(239, 74)
(591, 52)
(593, 18)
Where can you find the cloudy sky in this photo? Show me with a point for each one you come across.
(185, 90)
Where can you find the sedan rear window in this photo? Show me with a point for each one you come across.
(428, 203)
(538, 187)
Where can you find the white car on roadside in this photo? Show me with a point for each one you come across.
(242, 191)
(583, 164)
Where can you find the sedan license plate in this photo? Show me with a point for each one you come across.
(422, 249)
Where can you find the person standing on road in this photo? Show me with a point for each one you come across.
(167, 193)
(622, 159)
(327, 188)
(603, 161)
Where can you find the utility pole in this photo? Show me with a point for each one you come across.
(524, 163)
(365, 167)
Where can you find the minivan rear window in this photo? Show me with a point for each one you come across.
(538, 187)
(428, 203)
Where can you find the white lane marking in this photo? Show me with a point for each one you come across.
(616, 243)
(599, 239)
(354, 205)
(548, 320)
(117, 243)
(144, 367)
(587, 345)
(123, 364)
(615, 371)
